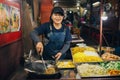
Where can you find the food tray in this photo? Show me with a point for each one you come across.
(99, 69)
(85, 54)
(65, 64)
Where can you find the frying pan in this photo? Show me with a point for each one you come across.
(36, 70)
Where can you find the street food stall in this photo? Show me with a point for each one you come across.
(86, 63)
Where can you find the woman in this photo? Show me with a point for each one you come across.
(57, 34)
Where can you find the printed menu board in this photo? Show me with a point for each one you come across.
(9, 19)
(10, 22)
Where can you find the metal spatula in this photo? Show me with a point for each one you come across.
(43, 61)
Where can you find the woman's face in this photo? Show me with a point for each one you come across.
(57, 18)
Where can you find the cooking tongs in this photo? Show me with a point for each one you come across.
(43, 61)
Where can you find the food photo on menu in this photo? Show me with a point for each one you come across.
(14, 19)
(4, 18)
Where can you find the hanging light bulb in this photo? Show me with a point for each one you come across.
(96, 4)
(104, 16)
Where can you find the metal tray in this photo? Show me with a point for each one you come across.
(98, 76)
(97, 55)
(65, 64)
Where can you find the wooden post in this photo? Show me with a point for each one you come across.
(101, 26)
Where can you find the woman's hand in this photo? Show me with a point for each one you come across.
(58, 55)
(39, 48)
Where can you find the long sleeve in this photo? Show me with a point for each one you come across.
(34, 36)
(65, 47)
(40, 30)
(68, 39)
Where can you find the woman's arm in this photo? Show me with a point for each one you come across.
(36, 39)
(34, 36)
(38, 44)
(65, 47)
(68, 39)
(38, 31)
